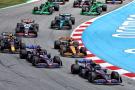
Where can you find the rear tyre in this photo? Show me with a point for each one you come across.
(57, 44)
(83, 50)
(50, 10)
(57, 59)
(83, 9)
(73, 20)
(99, 10)
(70, 25)
(37, 27)
(17, 30)
(23, 54)
(23, 46)
(63, 49)
(64, 1)
(57, 18)
(106, 1)
(75, 69)
(91, 77)
(36, 34)
(45, 51)
(41, 6)
(75, 3)
(53, 24)
(35, 9)
(2, 45)
(49, 55)
(115, 75)
(82, 73)
(121, 2)
(56, 7)
(104, 7)
(35, 60)
(29, 56)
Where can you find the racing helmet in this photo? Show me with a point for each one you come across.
(97, 67)
(11, 35)
(47, 3)
(70, 43)
(93, 64)
(76, 61)
(38, 48)
(62, 17)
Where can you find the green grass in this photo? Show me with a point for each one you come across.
(6, 3)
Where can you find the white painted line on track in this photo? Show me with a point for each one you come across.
(121, 71)
(105, 65)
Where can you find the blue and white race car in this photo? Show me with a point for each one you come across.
(94, 72)
(39, 57)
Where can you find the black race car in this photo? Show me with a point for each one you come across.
(39, 58)
(81, 3)
(94, 73)
(27, 28)
(10, 43)
(63, 21)
(46, 8)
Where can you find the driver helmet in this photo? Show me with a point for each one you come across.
(76, 61)
(97, 67)
(63, 17)
(11, 35)
(4, 34)
(38, 48)
(93, 64)
(47, 3)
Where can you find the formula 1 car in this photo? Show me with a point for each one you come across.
(96, 8)
(60, 2)
(63, 21)
(39, 58)
(94, 73)
(46, 8)
(63, 41)
(10, 43)
(114, 1)
(27, 28)
(81, 3)
(72, 49)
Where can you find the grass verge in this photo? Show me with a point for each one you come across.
(6, 3)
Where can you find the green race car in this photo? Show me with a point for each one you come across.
(63, 21)
(46, 8)
(96, 8)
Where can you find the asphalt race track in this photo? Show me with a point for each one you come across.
(17, 74)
